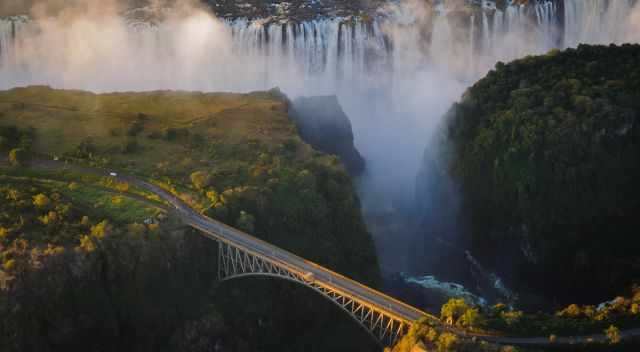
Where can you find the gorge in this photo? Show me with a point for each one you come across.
(395, 67)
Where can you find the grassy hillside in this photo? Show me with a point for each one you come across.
(211, 130)
(235, 157)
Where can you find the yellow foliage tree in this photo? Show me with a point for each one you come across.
(122, 186)
(613, 334)
(9, 264)
(41, 200)
(447, 342)
(101, 229)
(52, 216)
(87, 244)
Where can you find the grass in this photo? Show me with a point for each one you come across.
(219, 126)
(178, 133)
(97, 200)
(69, 175)
(120, 208)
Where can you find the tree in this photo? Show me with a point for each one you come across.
(453, 310)
(87, 244)
(572, 311)
(447, 342)
(101, 229)
(200, 179)
(472, 318)
(613, 334)
(130, 146)
(213, 197)
(40, 200)
(17, 157)
(135, 128)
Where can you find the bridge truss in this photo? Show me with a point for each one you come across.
(234, 262)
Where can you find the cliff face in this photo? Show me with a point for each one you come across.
(296, 9)
(238, 158)
(546, 151)
(323, 124)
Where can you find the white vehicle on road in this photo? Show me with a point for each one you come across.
(113, 174)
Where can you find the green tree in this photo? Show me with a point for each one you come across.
(130, 146)
(86, 148)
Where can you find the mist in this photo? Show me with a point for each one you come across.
(395, 94)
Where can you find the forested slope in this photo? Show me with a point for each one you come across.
(546, 152)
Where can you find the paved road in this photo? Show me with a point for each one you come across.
(322, 276)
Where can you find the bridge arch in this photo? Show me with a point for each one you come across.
(234, 262)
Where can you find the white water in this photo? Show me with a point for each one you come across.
(447, 289)
(395, 76)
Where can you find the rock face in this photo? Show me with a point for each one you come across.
(294, 9)
(323, 124)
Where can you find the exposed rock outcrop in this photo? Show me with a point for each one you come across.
(323, 124)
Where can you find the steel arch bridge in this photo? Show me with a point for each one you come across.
(385, 328)
(240, 254)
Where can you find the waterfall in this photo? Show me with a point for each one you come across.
(327, 52)
(599, 22)
(317, 52)
(10, 32)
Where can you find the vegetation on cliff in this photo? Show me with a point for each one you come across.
(235, 157)
(601, 325)
(546, 152)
